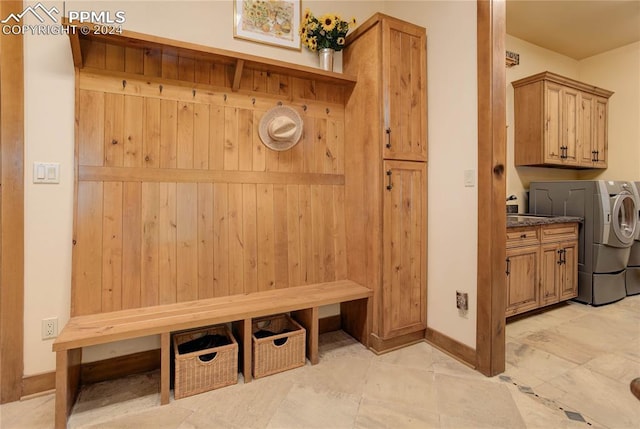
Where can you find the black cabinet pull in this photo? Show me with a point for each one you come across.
(508, 266)
(597, 155)
(389, 185)
(562, 256)
(593, 156)
(523, 235)
(388, 131)
(563, 152)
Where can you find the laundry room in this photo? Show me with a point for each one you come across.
(572, 150)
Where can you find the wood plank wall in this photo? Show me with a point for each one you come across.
(177, 197)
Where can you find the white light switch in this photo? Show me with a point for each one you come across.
(469, 178)
(46, 172)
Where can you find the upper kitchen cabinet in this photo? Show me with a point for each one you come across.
(397, 73)
(560, 122)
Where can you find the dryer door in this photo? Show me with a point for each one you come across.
(624, 218)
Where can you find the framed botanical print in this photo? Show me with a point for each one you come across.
(273, 22)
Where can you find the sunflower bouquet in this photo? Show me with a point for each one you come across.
(327, 31)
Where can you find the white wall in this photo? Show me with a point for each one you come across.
(617, 70)
(49, 136)
(453, 143)
(49, 110)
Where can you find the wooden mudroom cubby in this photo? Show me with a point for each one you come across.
(185, 219)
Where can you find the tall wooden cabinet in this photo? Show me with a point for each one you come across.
(386, 176)
(560, 122)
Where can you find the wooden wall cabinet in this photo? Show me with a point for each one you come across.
(542, 266)
(560, 122)
(386, 175)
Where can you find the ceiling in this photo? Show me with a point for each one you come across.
(575, 28)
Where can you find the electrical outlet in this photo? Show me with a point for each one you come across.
(462, 301)
(49, 328)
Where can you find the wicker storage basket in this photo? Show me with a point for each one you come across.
(280, 352)
(198, 372)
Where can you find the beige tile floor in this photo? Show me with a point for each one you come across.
(573, 358)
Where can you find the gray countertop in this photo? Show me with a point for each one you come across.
(515, 220)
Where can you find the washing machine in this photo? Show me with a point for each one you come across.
(632, 275)
(610, 214)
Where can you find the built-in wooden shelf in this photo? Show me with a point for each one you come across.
(164, 46)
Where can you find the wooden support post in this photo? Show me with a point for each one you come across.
(165, 373)
(308, 318)
(490, 336)
(356, 319)
(67, 384)
(242, 330)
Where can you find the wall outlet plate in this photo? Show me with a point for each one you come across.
(462, 300)
(49, 328)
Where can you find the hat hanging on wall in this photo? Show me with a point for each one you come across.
(280, 128)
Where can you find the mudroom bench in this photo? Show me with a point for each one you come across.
(302, 301)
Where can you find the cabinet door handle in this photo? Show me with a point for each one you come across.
(389, 184)
(563, 150)
(523, 235)
(508, 266)
(593, 156)
(597, 155)
(562, 256)
(388, 132)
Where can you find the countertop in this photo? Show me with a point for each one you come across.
(515, 220)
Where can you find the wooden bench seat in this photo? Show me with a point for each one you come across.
(302, 301)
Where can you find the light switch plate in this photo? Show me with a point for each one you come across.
(46, 172)
(469, 178)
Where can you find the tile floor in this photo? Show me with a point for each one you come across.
(568, 367)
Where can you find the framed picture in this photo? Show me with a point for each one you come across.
(272, 22)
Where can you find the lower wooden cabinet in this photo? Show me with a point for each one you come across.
(541, 266)
(404, 260)
(523, 279)
(558, 271)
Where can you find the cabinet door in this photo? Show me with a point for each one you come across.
(570, 126)
(549, 273)
(568, 271)
(553, 124)
(522, 279)
(600, 132)
(404, 91)
(586, 150)
(404, 272)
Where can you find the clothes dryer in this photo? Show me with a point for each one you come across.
(608, 231)
(632, 274)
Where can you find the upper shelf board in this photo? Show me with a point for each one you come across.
(133, 39)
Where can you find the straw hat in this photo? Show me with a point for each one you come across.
(280, 128)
